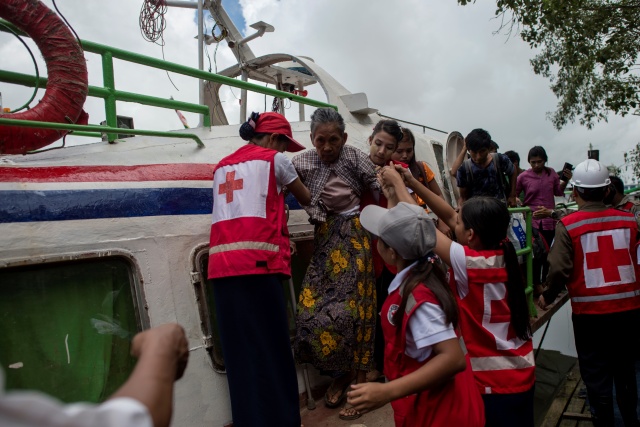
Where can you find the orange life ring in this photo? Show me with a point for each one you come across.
(67, 73)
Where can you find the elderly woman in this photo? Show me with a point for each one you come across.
(337, 310)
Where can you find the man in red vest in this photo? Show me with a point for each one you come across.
(615, 197)
(249, 256)
(595, 255)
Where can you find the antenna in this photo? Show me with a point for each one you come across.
(262, 28)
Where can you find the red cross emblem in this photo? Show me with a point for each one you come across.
(609, 266)
(230, 185)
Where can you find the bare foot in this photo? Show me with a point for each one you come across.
(349, 413)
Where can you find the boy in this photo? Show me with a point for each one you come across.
(484, 173)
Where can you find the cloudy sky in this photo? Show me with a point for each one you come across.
(434, 63)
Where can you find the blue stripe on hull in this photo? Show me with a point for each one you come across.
(62, 205)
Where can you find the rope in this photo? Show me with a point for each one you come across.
(152, 22)
(35, 64)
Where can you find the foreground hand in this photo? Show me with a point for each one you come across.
(512, 202)
(542, 212)
(168, 341)
(366, 397)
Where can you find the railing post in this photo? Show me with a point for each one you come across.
(108, 81)
(243, 98)
(300, 105)
(529, 291)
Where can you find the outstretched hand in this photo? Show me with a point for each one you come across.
(366, 397)
(166, 341)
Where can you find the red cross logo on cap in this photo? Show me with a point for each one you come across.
(230, 185)
(608, 264)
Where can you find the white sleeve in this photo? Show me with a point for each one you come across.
(284, 170)
(459, 266)
(31, 409)
(426, 327)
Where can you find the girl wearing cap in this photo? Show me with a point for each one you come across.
(249, 256)
(335, 323)
(487, 282)
(431, 381)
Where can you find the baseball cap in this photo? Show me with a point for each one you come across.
(406, 228)
(277, 123)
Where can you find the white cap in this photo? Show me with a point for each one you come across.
(406, 228)
(590, 174)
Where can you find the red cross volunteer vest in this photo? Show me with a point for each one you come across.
(249, 232)
(501, 362)
(605, 260)
(454, 403)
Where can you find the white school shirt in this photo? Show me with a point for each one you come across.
(426, 327)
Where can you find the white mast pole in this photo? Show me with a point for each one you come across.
(199, 6)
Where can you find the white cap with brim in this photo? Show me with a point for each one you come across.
(406, 228)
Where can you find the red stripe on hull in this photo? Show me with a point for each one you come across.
(108, 173)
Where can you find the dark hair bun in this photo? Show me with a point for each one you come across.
(248, 128)
(247, 131)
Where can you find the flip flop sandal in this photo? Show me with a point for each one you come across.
(351, 417)
(341, 398)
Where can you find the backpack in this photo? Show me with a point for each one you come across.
(540, 245)
(501, 177)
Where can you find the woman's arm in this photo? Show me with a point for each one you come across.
(437, 204)
(448, 359)
(435, 188)
(300, 191)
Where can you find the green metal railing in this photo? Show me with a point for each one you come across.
(527, 252)
(111, 95)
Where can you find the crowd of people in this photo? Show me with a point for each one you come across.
(436, 308)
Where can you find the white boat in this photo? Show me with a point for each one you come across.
(101, 240)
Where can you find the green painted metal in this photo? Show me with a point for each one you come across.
(102, 129)
(528, 253)
(109, 82)
(111, 95)
(100, 92)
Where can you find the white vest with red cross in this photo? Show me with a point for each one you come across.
(501, 362)
(249, 232)
(438, 406)
(605, 260)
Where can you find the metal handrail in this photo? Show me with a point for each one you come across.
(111, 95)
(94, 128)
(528, 253)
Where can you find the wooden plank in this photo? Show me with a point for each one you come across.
(565, 392)
(579, 416)
(573, 411)
(545, 315)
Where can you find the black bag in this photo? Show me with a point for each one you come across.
(540, 247)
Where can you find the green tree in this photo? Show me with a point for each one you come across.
(588, 49)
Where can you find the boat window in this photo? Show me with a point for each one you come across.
(66, 327)
(206, 301)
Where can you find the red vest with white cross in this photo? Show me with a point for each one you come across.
(605, 274)
(249, 232)
(501, 362)
(454, 403)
